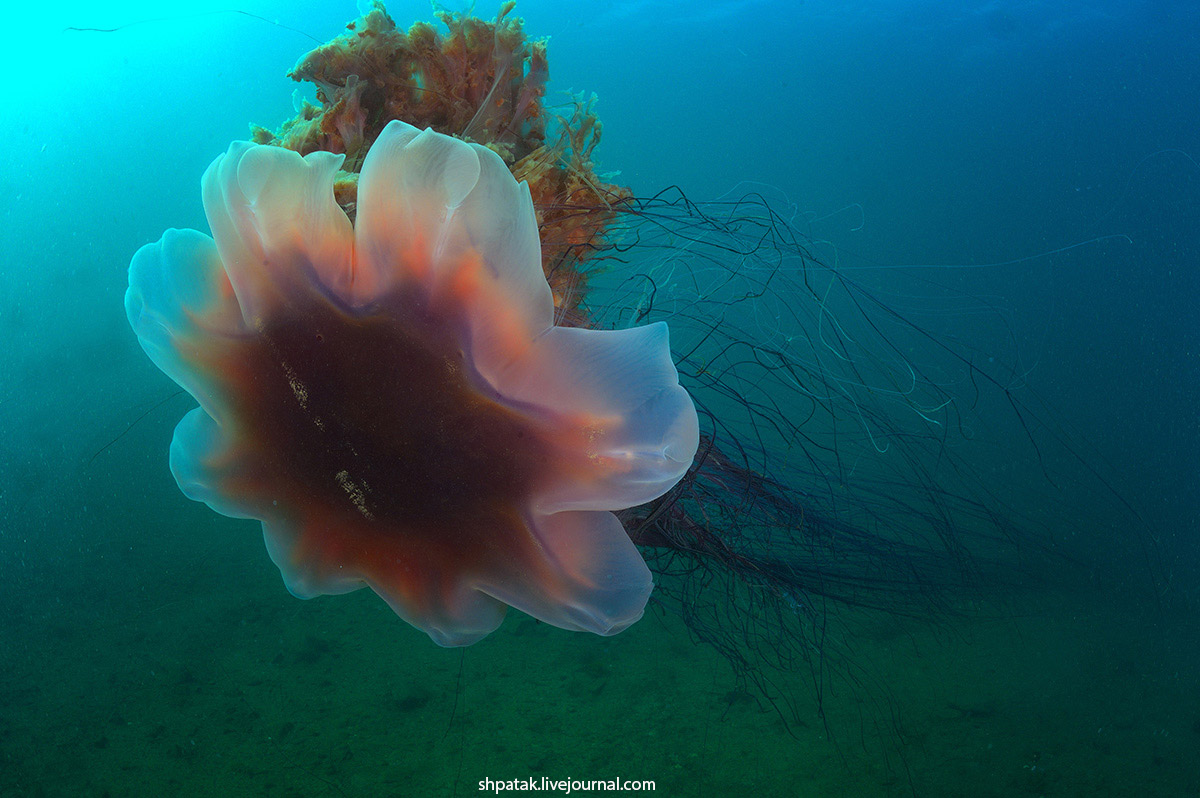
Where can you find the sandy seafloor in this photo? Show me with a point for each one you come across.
(242, 690)
(148, 647)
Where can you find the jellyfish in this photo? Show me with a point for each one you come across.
(392, 399)
(791, 459)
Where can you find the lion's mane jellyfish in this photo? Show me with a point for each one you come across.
(390, 383)
(392, 398)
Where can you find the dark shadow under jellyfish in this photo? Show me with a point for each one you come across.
(429, 344)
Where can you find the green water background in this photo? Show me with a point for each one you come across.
(149, 647)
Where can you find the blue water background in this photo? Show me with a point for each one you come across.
(956, 143)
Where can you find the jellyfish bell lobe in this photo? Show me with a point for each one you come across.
(391, 398)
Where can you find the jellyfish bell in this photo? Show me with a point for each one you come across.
(391, 397)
